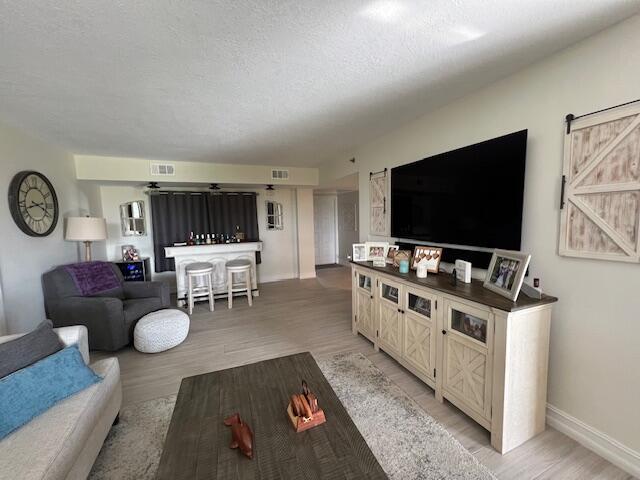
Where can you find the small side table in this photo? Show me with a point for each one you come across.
(135, 270)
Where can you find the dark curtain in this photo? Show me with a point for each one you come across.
(175, 214)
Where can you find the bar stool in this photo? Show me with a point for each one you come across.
(196, 271)
(239, 266)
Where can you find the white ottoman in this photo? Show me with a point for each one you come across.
(160, 331)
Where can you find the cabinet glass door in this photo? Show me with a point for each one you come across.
(364, 282)
(467, 374)
(419, 349)
(389, 292)
(469, 325)
(390, 316)
(419, 304)
(467, 360)
(364, 314)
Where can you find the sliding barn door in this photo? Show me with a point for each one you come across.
(601, 213)
(379, 213)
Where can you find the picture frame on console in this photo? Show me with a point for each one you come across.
(129, 253)
(377, 252)
(506, 273)
(376, 249)
(391, 253)
(359, 253)
(432, 254)
(401, 255)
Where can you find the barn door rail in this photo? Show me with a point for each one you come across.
(371, 174)
(571, 117)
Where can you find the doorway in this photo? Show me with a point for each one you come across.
(325, 227)
(335, 208)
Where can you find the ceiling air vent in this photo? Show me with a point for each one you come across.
(277, 174)
(163, 169)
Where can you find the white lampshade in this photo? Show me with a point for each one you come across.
(86, 229)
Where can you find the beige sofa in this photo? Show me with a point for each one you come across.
(63, 442)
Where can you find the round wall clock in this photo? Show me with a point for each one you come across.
(33, 203)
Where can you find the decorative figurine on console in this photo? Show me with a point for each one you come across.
(241, 435)
(303, 410)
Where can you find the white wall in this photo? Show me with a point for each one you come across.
(348, 229)
(279, 256)
(594, 371)
(306, 233)
(23, 259)
(279, 247)
(125, 169)
(111, 197)
(3, 318)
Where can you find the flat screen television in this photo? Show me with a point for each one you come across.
(471, 196)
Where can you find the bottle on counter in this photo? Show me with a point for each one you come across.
(240, 236)
(198, 242)
(191, 240)
(208, 239)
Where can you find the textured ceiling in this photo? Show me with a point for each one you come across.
(291, 82)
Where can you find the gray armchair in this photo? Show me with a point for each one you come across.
(109, 316)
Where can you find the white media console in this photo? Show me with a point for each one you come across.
(482, 352)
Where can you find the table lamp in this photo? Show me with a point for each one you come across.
(87, 230)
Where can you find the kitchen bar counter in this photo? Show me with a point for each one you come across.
(217, 255)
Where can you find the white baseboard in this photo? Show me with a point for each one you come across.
(275, 278)
(601, 443)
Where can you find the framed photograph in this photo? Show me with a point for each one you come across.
(401, 255)
(375, 250)
(129, 253)
(391, 253)
(359, 252)
(506, 273)
(376, 253)
(432, 254)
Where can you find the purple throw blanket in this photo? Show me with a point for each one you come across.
(93, 277)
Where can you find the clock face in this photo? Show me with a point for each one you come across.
(33, 203)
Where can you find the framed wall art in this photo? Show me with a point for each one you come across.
(379, 210)
(600, 194)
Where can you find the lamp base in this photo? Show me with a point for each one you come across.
(87, 251)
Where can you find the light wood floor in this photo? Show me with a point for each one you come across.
(314, 315)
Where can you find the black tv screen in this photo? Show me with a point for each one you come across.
(470, 196)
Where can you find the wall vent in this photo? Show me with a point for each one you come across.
(278, 174)
(163, 169)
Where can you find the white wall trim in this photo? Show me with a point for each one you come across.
(268, 278)
(601, 443)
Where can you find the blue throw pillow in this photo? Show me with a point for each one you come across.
(27, 393)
